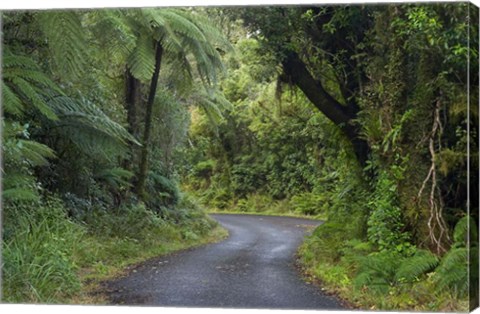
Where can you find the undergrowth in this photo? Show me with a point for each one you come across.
(389, 280)
(48, 257)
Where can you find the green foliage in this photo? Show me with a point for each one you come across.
(163, 192)
(19, 155)
(453, 271)
(88, 127)
(37, 253)
(385, 221)
(25, 86)
(420, 263)
(309, 204)
(68, 48)
(115, 178)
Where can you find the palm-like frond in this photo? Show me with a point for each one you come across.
(185, 38)
(115, 177)
(212, 102)
(66, 40)
(462, 229)
(87, 126)
(411, 268)
(141, 61)
(24, 86)
(452, 272)
(19, 155)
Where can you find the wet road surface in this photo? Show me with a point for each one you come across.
(252, 268)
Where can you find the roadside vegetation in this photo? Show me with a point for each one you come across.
(121, 128)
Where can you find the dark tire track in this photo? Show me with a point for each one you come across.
(253, 268)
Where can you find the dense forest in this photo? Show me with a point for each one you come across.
(122, 128)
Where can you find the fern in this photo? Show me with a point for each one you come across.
(141, 62)
(462, 229)
(24, 86)
(421, 263)
(115, 177)
(377, 271)
(86, 124)
(20, 155)
(452, 273)
(66, 40)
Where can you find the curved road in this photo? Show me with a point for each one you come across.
(253, 268)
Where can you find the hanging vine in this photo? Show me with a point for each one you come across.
(437, 228)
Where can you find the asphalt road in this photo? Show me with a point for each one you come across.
(253, 268)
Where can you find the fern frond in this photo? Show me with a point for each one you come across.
(452, 273)
(66, 40)
(462, 229)
(411, 268)
(377, 271)
(89, 127)
(11, 103)
(18, 186)
(24, 86)
(28, 92)
(141, 61)
(115, 177)
(35, 153)
(88, 114)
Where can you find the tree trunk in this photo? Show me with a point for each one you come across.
(132, 86)
(143, 168)
(339, 114)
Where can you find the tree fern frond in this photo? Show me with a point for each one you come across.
(35, 153)
(212, 33)
(24, 86)
(31, 95)
(87, 114)
(141, 61)
(462, 229)
(115, 177)
(66, 40)
(452, 272)
(11, 103)
(422, 262)
(180, 24)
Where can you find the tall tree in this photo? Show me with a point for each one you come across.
(185, 40)
(311, 43)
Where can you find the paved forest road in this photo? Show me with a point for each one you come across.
(253, 268)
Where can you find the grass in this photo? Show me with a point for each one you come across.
(267, 213)
(48, 257)
(108, 258)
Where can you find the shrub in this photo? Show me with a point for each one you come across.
(309, 204)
